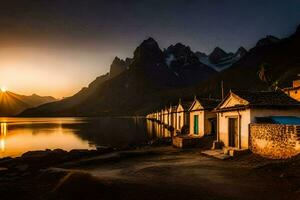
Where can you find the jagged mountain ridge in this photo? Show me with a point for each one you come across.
(150, 80)
(219, 59)
(281, 60)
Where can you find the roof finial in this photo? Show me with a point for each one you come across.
(195, 97)
(179, 100)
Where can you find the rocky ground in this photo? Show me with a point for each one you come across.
(160, 172)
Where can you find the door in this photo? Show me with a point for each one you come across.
(179, 122)
(213, 123)
(196, 124)
(233, 132)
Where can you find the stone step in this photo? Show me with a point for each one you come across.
(218, 153)
(185, 141)
(232, 151)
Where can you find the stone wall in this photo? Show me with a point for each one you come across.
(275, 141)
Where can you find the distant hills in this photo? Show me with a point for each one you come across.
(156, 77)
(12, 104)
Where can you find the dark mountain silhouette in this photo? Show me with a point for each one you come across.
(118, 66)
(156, 78)
(12, 104)
(268, 40)
(135, 84)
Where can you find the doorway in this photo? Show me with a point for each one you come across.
(213, 123)
(196, 124)
(233, 132)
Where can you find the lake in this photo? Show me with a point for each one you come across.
(19, 135)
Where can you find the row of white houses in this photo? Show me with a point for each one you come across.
(192, 114)
(230, 118)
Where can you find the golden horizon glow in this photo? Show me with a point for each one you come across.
(50, 71)
(3, 89)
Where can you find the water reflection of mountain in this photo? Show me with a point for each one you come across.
(116, 132)
(119, 132)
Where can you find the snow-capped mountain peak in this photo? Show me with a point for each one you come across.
(219, 59)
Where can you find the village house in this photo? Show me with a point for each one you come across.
(154, 115)
(202, 120)
(239, 109)
(170, 116)
(166, 116)
(294, 91)
(157, 116)
(182, 114)
(162, 116)
(173, 112)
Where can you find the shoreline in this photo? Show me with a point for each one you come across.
(58, 174)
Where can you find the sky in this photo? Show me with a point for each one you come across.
(56, 47)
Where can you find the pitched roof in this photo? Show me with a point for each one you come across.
(264, 98)
(206, 103)
(267, 98)
(209, 103)
(186, 104)
(173, 108)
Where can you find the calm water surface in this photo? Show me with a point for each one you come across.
(19, 135)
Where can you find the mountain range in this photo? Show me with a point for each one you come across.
(219, 59)
(156, 77)
(12, 104)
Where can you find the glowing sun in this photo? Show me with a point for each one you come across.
(3, 89)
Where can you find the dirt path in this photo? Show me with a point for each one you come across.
(167, 173)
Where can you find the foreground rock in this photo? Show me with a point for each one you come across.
(35, 160)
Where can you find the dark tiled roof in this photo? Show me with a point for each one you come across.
(267, 98)
(186, 104)
(174, 109)
(209, 103)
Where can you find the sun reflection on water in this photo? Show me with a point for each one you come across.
(17, 137)
(2, 136)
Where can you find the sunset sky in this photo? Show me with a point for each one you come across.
(57, 47)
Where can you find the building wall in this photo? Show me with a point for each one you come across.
(244, 120)
(201, 124)
(246, 117)
(180, 121)
(169, 119)
(173, 121)
(204, 124)
(208, 115)
(275, 141)
(166, 118)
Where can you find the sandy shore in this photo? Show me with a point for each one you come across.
(154, 173)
